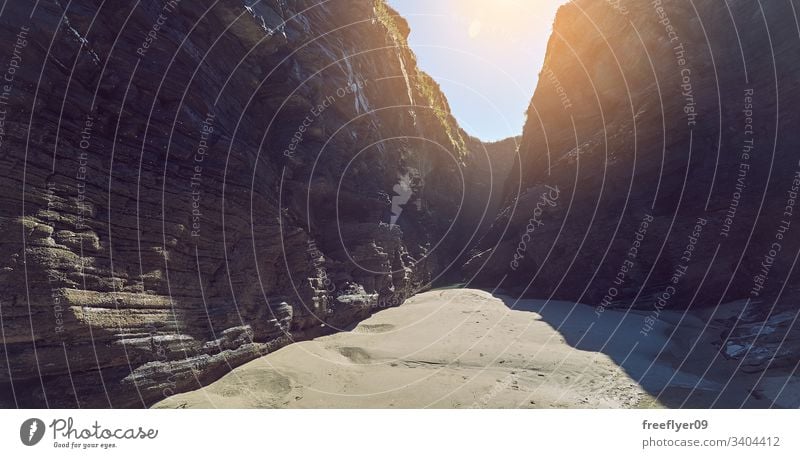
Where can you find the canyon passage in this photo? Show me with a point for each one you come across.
(268, 203)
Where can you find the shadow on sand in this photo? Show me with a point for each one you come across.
(675, 359)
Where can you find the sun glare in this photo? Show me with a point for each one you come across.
(481, 51)
(506, 21)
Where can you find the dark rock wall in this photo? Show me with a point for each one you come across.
(188, 185)
(659, 164)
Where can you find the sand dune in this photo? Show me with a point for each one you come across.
(465, 348)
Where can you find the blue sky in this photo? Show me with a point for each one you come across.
(485, 54)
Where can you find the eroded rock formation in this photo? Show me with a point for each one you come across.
(187, 186)
(659, 169)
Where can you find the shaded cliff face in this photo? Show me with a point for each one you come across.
(487, 174)
(659, 168)
(188, 186)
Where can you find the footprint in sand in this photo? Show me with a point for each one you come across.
(356, 355)
(374, 328)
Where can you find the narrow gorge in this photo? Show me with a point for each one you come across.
(188, 187)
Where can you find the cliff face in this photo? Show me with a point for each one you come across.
(187, 186)
(659, 168)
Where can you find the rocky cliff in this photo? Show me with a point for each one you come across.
(659, 169)
(189, 185)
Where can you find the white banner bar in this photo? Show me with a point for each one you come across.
(399, 433)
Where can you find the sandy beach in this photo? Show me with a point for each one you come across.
(465, 348)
